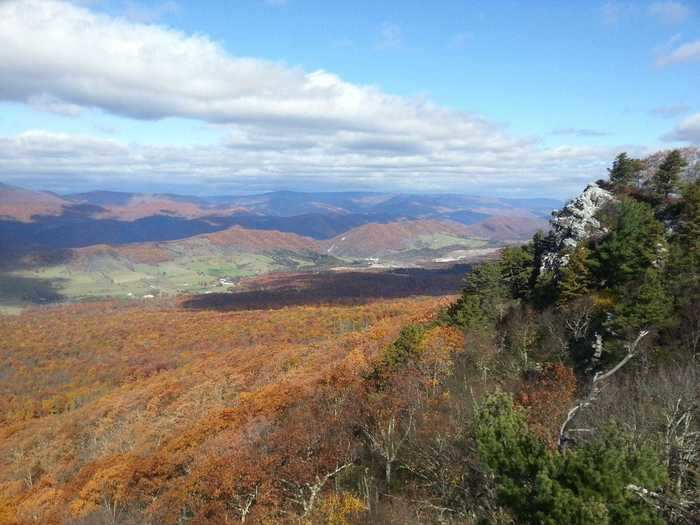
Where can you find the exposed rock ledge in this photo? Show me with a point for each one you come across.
(573, 223)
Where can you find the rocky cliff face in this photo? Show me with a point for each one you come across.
(577, 220)
(573, 223)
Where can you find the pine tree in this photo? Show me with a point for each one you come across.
(643, 306)
(667, 177)
(688, 234)
(484, 298)
(517, 267)
(585, 485)
(625, 170)
(576, 277)
(635, 242)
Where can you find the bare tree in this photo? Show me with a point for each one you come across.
(243, 503)
(388, 438)
(686, 513)
(306, 494)
(595, 388)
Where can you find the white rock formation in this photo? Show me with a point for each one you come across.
(573, 223)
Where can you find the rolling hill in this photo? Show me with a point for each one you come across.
(374, 240)
(21, 205)
(119, 244)
(505, 228)
(31, 220)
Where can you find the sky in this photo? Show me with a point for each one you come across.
(512, 98)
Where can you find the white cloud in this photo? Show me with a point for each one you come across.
(670, 12)
(688, 52)
(688, 130)
(50, 104)
(282, 124)
(55, 160)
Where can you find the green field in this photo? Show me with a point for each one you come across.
(107, 276)
(439, 241)
(195, 266)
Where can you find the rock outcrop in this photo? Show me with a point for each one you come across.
(575, 222)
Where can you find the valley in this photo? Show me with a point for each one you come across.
(98, 245)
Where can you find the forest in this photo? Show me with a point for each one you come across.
(560, 386)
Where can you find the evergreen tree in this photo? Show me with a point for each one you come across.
(484, 298)
(517, 267)
(667, 177)
(405, 348)
(624, 170)
(648, 304)
(576, 279)
(635, 242)
(686, 243)
(585, 485)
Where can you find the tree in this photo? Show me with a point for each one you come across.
(576, 278)
(667, 177)
(635, 242)
(517, 266)
(685, 267)
(484, 299)
(645, 305)
(624, 170)
(547, 397)
(585, 485)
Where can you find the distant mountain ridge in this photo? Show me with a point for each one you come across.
(290, 203)
(33, 219)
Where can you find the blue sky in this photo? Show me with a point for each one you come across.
(508, 98)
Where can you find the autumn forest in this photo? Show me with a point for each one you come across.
(560, 386)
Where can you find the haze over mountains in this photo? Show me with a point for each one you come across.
(134, 245)
(42, 219)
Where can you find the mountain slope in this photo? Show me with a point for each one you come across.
(503, 228)
(371, 240)
(20, 204)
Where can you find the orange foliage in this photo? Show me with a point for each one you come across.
(547, 397)
(260, 240)
(154, 413)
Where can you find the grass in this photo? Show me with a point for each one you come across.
(191, 271)
(443, 240)
(193, 268)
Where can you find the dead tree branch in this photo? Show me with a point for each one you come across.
(595, 388)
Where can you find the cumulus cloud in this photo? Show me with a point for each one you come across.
(688, 52)
(281, 124)
(670, 12)
(50, 104)
(688, 130)
(55, 161)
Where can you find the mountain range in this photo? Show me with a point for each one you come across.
(33, 219)
(119, 244)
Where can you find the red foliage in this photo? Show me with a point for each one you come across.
(547, 397)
